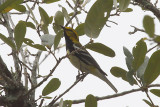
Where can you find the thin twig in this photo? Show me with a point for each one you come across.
(69, 4)
(155, 4)
(111, 96)
(75, 12)
(44, 58)
(31, 53)
(78, 80)
(25, 65)
(149, 98)
(149, 6)
(34, 73)
(29, 78)
(32, 1)
(50, 51)
(40, 105)
(24, 62)
(46, 78)
(135, 30)
(14, 53)
(152, 48)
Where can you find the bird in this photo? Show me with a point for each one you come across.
(81, 58)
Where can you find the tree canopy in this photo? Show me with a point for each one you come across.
(31, 31)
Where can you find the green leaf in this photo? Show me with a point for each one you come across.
(59, 20)
(8, 5)
(57, 39)
(139, 52)
(40, 47)
(128, 10)
(44, 16)
(142, 68)
(157, 39)
(56, 28)
(50, 19)
(50, 1)
(129, 61)
(65, 13)
(20, 8)
(45, 19)
(46, 97)
(130, 78)
(80, 29)
(96, 20)
(119, 72)
(147, 102)
(129, 58)
(155, 92)
(45, 29)
(30, 24)
(33, 17)
(52, 86)
(153, 69)
(31, 43)
(72, 13)
(127, 53)
(28, 41)
(149, 26)
(90, 101)
(7, 41)
(123, 5)
(19, 34)
(101, 48)
(67, 103)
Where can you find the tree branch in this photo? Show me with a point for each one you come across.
(111, 96)
(45, 79)
(148, 5)
(149, 98)
(135, 30)
(34, 73)
(4, 69)
(138, 29)
(14, 54)
(3, 101)
(54, 100)
(23, 54)
(75, 12)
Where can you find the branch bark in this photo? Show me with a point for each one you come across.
(111, 96)
(148, 5)
(14, 53)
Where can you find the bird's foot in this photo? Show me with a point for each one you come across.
(81, 76)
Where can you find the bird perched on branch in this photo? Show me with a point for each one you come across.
(81, 58)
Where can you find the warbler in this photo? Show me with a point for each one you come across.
(80, 57)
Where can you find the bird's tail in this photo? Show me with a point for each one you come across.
(104, 78)
(110, 84)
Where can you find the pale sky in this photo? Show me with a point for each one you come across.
(115, 37)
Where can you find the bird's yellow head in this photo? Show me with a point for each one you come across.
(71, 33)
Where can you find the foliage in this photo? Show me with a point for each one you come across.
(18, 85)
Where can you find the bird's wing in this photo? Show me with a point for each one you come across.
(83, 54)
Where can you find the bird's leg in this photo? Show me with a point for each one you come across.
(81, 75)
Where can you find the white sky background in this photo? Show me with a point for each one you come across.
(115, 37)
